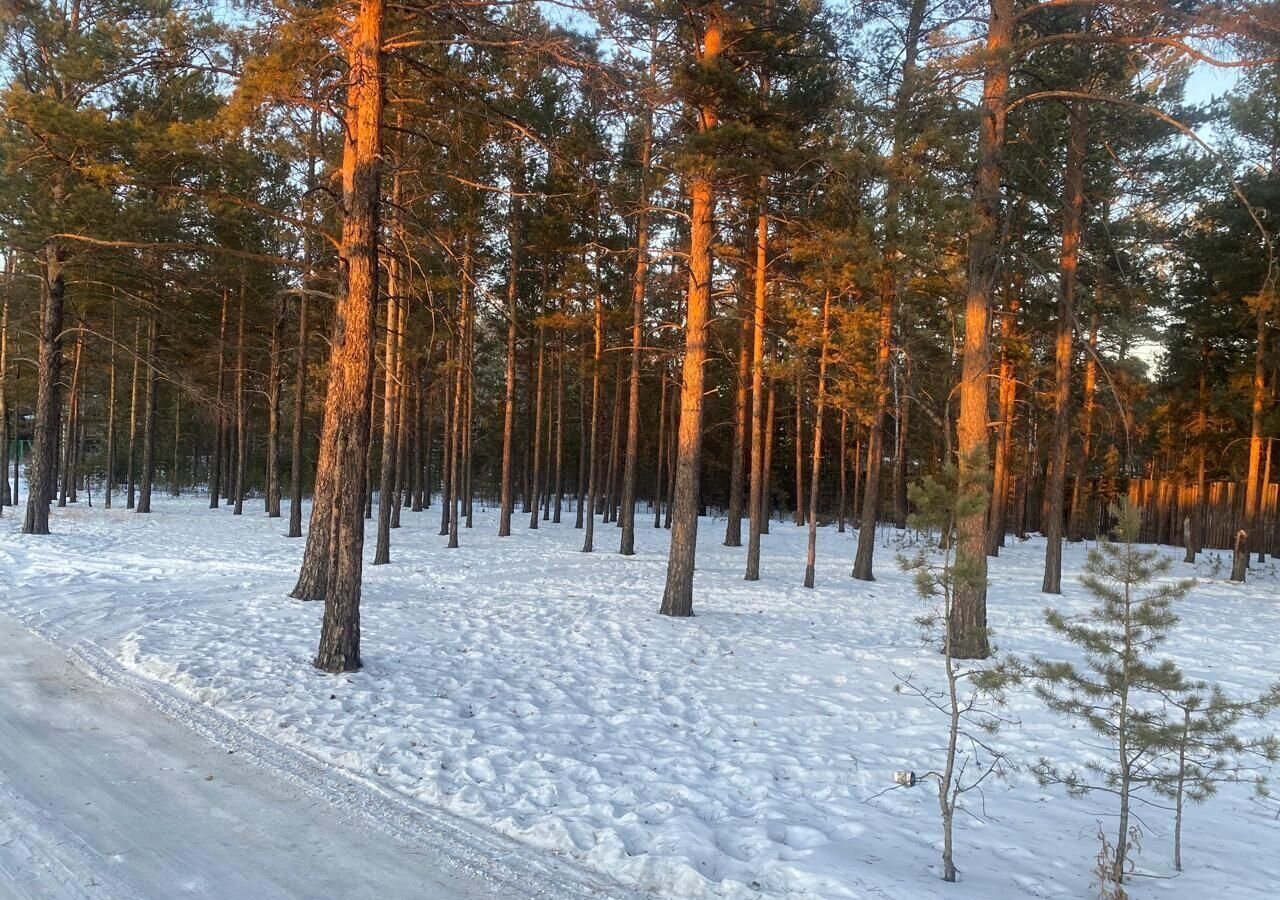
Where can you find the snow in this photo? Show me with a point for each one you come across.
(525, 687)
(104, 797)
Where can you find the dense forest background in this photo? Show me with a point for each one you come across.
(628, 263)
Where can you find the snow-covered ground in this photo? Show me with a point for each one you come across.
(524, 686)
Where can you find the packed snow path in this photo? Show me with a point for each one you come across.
(103, 796)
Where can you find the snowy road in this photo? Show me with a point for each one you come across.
(102, 796)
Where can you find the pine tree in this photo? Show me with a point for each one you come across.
(972, 699)
(1121, 691)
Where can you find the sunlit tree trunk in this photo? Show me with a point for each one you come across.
(967, 632)
(339, 495)
(1253, 486)
(513, 296)
(677, 597)
(1004, 429)
(1079, 501)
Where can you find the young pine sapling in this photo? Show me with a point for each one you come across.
(1162, 733)
(972, 698)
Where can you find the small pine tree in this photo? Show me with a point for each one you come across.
(972, 700)
(1166, 735)
(1210, 751)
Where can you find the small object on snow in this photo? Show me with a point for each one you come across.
(906, 779)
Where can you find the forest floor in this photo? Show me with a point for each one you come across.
(522, 687)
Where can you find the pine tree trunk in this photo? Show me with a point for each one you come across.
(615, 436)
(390, 402)
(219, 415)
(242, 410)
(299, 413)
(1253, 486)
(844, 449)
(68, 491)
(404, 412)
(771, 405)
(1079, 503)
(537, 424)
(340, 483)
(593, 444)
(147, 474)
(863, 559)
(737, 458)
(5, 498)
(639, 280)
(1266, 481)
(448, 414)
(559, 501)
(798, 512)
(1072, 233)
(677, 597)
(811, 558)
(967, 634)
(1004, 431)
(111, 419)
(272, 500)
(468, 373)
(758, 501)
(900, 452)
(662, 448)
(48, 395)
(130, 474)
(175, 475)
(513, 296)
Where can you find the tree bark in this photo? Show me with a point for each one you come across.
(274, 379)
(537, 421)
(758, 501)
(513, 296)
(1079, 500)
(677, 597)
(811, 558)
(844, 468)
(111, 419)
(69, 445)
(147, 474)
(967, 634)
(299, 413)
(340, 479)
(593, 445)
(863, 559)
(799, 449)
(1072, 233)
(242, 409)
(390, 402)
(48, 395)
(1004, 430)
(767, 496)
(1253, 486)
(639, 281)
(130, 474)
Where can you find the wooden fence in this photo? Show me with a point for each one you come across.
(1215, 517)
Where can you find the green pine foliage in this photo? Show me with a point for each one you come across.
(1160, 734)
